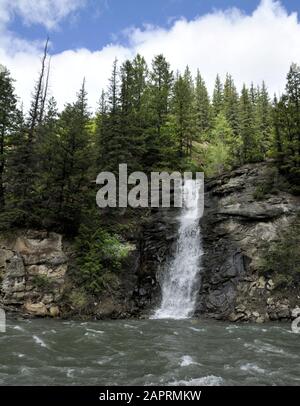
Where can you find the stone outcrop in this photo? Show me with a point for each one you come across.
(235, 229)
(156, 244)
(33, 266)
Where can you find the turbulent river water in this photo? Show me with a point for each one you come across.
(148, 352)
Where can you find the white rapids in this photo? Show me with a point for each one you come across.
(181, 276)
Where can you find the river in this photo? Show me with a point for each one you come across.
(148, 352)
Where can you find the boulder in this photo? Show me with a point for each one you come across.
(283, 311)
(54, 311)
(39, 248)
(295, 312)
(36, 309)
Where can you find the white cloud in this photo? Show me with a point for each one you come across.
(252, 48)
(46, 12)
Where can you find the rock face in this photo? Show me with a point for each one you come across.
(235, 228)
(156, 244)
(32, 272)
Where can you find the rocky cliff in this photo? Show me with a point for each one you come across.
(250, 268)
(249, 216)
(32, 272)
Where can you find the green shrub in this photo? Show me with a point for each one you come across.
(42, 282)
(216, 159)
(261, 192)
(281, 259)
(99, 260)
(268, 185)
(78, 299)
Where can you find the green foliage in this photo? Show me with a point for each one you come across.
(223, 150)
(79, 299)
(216, 158)
(281, 259)
(203, 110)
(247, 129)
(271, 183)
(261, 191)
(231, 105)
(99, 261)
(286, 117)
(184, 113)
(42, 282)
(218, 97)
(147, 119)
(8, 114)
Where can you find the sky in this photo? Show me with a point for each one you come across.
(254, 40)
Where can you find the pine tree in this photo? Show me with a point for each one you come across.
(184, 113)
(100, 125)
(160, 92)
(202, 108)
(133, 111)
(8, 109)
(24, 154)
(140, 105)
(287, 126)
(70, 180)
(264, 121)
(254, 94)
(293, 124)
(218, 97)
(113, 149)
(278, 117)
(231, 104)
(247, 128)
(46, 150)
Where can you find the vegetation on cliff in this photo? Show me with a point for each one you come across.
(149, 118)
(281, 259)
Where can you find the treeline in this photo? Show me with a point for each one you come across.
(150, 118)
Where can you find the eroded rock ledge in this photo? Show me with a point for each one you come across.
(32, 272)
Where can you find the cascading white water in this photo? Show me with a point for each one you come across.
(181, 275)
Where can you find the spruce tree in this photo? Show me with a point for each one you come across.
(247, 128)
(113, 149)
(8, 111)
(158, 138)
(202, 108)
(184, 113)
(218, 97)
(293, 122)
(264, 121)
(133, 111)
(70, 181)
(231, 104)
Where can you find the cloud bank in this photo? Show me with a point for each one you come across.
(46, 12)
(253, 47)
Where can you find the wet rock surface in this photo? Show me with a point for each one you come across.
(156, 244)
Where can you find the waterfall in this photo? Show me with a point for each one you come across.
(181, 274)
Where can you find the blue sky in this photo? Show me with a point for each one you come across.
(254, 40)
(101, 22)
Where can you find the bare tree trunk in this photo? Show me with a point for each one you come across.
(38, 96)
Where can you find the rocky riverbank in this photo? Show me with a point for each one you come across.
(251, 247)
(250, 216)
